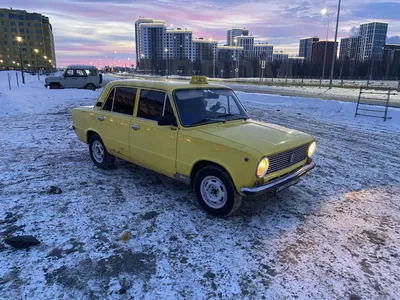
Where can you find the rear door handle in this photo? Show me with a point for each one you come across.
(135, 127)
(100, 118)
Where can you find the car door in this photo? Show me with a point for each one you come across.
(81, 78)
(151, 145)
(69, 79)
(114, 119)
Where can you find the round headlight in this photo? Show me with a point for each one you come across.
(262, 167)
(312, 148)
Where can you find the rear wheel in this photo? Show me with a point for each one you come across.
(99, 154)
(216, 192)
(55, 86)
(90, 86)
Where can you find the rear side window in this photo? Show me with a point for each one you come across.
(109, 101)
(121, 100)
(124, 100)
(151, 105)
(69, 73)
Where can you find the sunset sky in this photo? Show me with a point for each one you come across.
(91, 30)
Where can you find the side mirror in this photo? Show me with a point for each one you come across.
(167, 121)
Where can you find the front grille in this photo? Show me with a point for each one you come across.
(282, 160)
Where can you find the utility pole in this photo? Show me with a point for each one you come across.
(334, 46)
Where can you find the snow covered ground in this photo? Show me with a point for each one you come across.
(334, 235)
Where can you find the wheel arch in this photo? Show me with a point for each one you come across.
(89, 134)
(56, 83)
(200, 164)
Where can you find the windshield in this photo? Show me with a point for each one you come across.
(200, 106)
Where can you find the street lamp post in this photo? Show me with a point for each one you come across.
(167, 65)
(50, 65)
(37, 63)
(213, 50)
(237, 60)
(19, 40)
(45, 63)
(334, 45)
(324, 12)
(142, 66)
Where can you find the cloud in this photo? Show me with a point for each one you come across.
(93, 29)
(354, 31)
(379, 10)
(393, 39)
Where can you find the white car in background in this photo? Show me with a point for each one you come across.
(76, 77)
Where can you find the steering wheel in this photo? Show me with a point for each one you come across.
(217, 106)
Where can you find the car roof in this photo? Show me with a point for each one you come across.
(81, 67)
(167, 85)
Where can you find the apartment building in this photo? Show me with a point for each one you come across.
(33, 33)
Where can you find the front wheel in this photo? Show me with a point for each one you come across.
(99, 154)
(216, 192)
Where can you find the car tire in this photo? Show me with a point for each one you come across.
(99, 154)
(216, 192)
(54, 86)
(90, 86)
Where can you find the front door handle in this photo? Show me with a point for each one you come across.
(100, 118)
(135, 127)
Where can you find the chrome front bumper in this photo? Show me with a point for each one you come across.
(275, 184)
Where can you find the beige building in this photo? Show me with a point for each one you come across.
(33, 33)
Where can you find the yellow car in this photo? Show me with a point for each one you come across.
(195, 132)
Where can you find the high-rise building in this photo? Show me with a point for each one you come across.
(296, 59)
(204, 49)
(247, 42)
(349, 48)
(280, 56)
(391, 58)
(234, 32)
(227, 53)
(36, 40)
(150, 37)
(260, 48)
(372, 41)
(306, 46)
(318, 52)
(179, 44)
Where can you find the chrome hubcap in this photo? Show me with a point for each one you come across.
(98, 152)
(213, 192)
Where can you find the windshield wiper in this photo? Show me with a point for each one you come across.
(225, 115)
(237, 117)
(209, 120)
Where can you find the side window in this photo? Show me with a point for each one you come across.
(124, 100)
(69, 73)
(109, 101)
(168, 108)
(80, 73)
(91, 72)
(151, 104)
(232, 107)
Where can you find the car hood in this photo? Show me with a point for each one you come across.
(264, 137)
